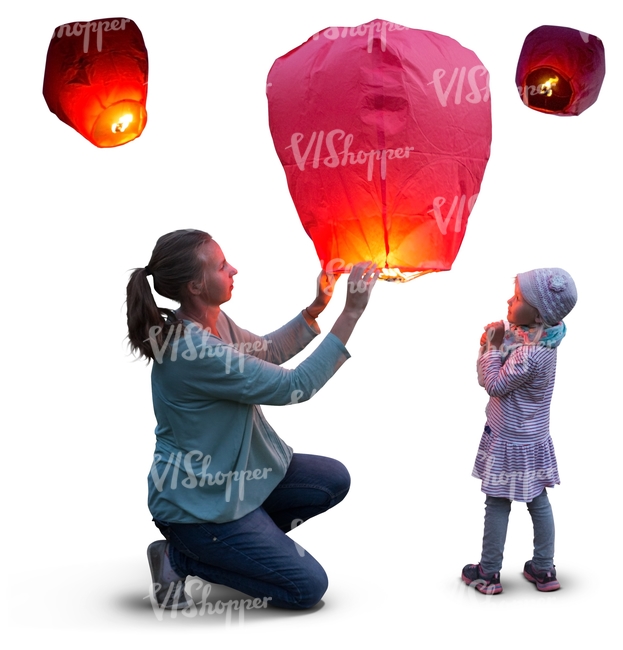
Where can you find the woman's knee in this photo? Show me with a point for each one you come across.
(311, 588)
(323, 473)
(341, 482)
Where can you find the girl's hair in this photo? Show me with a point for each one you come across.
(174, 263)
(540, 328)
(540, 323)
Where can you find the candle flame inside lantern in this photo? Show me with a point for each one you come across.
(121, 125)
(547, 88)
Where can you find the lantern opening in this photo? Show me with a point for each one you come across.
(547, 90)
(118, 124)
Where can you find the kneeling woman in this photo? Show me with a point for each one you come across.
(224, 488)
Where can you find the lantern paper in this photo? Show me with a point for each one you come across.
(96, 79)
(560, 70)
(384, 133)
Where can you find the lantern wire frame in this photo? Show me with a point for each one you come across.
(396, 275)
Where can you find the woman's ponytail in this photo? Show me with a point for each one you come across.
(174, 262)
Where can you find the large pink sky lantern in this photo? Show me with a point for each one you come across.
(384, 134)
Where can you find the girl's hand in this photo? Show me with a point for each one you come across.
(493, 335)
(325, 284)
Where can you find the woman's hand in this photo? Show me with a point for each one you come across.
(325, 284)
(361, 281)
(493, 335)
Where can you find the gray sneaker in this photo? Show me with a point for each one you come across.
(545, 580)
(168, 595)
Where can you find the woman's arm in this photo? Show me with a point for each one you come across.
(282, 344)
(220, 371)
(276, 347)
(325, 285)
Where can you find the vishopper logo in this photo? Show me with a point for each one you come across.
(444, 222)
(207, 347)
(86, 29)
(194, 466)
(461, 80)
(380, 27)
(205, 606)
(343, 157)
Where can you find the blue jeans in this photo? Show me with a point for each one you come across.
(253, 554)
(496, 522)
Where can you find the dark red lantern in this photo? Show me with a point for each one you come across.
(96, 79)
(384, 133)
(560, 70)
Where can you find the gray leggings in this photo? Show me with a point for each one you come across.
(496, 522)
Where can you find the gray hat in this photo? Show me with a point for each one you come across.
(551, 291)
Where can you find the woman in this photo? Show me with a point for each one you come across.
(223, 487)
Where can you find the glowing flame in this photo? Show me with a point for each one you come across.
(122, 124)
(547, 88)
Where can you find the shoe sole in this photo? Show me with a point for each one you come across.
(552, 585)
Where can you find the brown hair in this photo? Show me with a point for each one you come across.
(174, 263)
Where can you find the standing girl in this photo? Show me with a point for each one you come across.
(516, 459)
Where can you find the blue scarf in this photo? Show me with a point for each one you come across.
(548, 336)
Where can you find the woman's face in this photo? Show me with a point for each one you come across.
(519, 311)
(218, 274)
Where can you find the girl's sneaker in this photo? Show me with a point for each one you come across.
(545, 580)
(485, 583)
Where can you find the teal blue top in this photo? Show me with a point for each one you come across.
(216, 456)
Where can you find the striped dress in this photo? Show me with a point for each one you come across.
(516, 457)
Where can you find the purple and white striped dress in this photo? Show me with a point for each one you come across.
(516, 457)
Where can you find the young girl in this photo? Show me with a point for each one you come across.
(516, 459)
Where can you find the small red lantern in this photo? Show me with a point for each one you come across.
(384, 133)
(560, 70)
(96, 79)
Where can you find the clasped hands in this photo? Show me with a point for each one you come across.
(493, 335)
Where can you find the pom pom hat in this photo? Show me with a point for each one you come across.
(550, 291)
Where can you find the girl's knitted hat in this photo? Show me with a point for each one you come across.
(551, 291)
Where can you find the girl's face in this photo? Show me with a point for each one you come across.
(519, 311)
(218, 274)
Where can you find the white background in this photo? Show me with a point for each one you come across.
(404, 414)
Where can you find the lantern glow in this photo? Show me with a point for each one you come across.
(560, 70)
(384, 134)
(98, 86)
